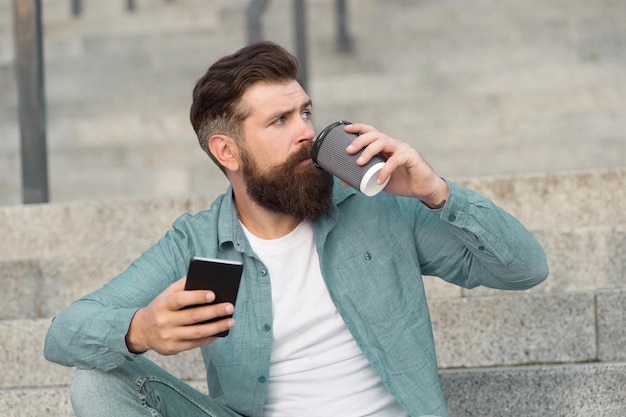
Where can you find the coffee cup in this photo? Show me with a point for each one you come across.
(329, 154)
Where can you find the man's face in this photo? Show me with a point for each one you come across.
(276, 152)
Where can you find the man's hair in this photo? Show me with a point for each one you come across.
(216, 106)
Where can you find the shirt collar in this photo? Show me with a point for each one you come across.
(230, 231)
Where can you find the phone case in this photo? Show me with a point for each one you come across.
(218, 275)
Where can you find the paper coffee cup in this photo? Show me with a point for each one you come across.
(329, 154)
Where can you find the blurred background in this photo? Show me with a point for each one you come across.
(480, 88)
(521, 100)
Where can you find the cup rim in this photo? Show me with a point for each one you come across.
(320, 138)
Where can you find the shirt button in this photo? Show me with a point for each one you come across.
(262, 380)
(452, 217)
(481, 247)
(263, 272)
(368, 256)
(267, 327)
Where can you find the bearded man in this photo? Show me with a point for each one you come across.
(331, 317)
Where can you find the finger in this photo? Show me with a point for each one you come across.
(358, 128)
(183, 330)
(199, 335)
(203, 332)
(208, 312)
(366, 135)
(391, 165)
(369, 144)
(380, 145)
(177, 297)
(363, 139)
(186, 299)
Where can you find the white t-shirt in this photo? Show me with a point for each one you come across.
(317, 369)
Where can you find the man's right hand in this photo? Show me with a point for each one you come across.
(165, 327)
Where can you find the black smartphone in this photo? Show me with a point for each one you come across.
(218, 275)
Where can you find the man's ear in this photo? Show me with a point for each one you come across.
(225, 150)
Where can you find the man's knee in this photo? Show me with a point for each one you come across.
(98, 393)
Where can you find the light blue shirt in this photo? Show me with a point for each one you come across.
(373, 252)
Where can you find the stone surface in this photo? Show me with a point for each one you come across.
(20, 282)
(482, 91)
(558, 391)
(514, 330)
(48, 401)
(538, 391)
(562, 200)
(24, 367)
(65, 279)
(36, 402)
(80, 229)
(612, 325)
(21, 356)
(131, 225)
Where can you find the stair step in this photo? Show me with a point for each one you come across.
(118, 88)
(583, 259)
(24, 367)
(469, 332)
(559, 199)
(110, 228)
(53, 401)
(42, 287)
(558, 391)
(36, 402)
(525, 329)
(131, 226)
(537, 391)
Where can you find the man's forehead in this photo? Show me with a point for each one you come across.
(264, 97)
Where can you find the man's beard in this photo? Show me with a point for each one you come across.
(302, 191)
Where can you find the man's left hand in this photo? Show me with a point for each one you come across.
(412, 175)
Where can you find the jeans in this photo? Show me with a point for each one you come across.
(140, 388)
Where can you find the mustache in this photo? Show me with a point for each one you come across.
(306, 151)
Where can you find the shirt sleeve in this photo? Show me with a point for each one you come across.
(472, 242)
(91, 332)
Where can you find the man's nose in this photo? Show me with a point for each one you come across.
(306, 132)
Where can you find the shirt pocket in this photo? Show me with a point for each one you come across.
(380, 281)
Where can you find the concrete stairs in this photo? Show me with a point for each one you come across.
(554, 350)
(523, 101)
(480, 89)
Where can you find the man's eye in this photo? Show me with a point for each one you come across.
(306, 114)
(279, 121)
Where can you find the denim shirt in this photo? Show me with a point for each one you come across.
(373, 252)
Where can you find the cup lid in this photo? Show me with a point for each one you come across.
(320, 138)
